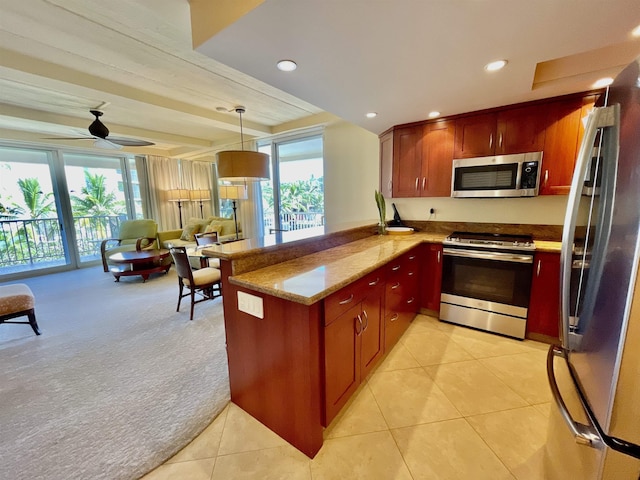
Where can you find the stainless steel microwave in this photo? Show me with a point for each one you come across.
(515, 175)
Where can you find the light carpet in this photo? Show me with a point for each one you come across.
(116, 384)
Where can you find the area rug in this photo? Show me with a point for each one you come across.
(116, 384)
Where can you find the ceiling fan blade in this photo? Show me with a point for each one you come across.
(129, 142)
(66, 138)
(104, 143)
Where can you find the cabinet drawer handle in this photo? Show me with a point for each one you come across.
(374, 283)
(412, 257)
(538, 269)
(410, 301)
(439, 256)
(346, 300)
(358, 332)
(394, 318)
(491, 140)
(410, 274)
(546, 177)
(424, 182)
(500, 140)
(366, 320)
(417, 178)
(394, 286)
(396, 268)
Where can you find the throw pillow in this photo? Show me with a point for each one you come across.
(188, 233)
(213, 228)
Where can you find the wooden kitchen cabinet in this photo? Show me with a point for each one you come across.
(353, 339)
(515, 130)
(407, 161)
(401, 296)
(431, 275)
(437, 159)
(544, 303)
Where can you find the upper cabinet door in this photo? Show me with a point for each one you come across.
(475, 136)
(407, 164)
(437, 158)
(386, 164)
(521, 130)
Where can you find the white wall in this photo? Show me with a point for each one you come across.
(351, 176)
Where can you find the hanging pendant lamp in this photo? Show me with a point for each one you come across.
(242, 165)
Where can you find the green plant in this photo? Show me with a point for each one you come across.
(382, 210)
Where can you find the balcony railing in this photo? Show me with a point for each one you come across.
(38, 243)
(294, 221)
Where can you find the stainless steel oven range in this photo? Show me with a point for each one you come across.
(486, 281)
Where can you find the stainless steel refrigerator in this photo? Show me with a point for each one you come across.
(594, 426)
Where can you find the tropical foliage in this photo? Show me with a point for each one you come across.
(94, 199)
(298, 196)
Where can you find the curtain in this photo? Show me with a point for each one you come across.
(164, 174)
(198, 176)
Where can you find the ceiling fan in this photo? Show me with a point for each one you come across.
(100, 134)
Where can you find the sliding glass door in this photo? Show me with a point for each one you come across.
(294, 198)
(56, 207)
(31, 226)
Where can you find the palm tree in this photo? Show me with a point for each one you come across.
(95, 199)
(39, 205)
(96, 203)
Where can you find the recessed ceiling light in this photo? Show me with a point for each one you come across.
(603, 82)
(287, 65)
(434, 114)
(636, 31)
(493, 66)
(372, 115)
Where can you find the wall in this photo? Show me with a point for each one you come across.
(351, 176)
(351, 171)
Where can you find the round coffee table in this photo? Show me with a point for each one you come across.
(139, 262)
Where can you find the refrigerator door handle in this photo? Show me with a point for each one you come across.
(583, 434)
(599, 117)
(590, 435)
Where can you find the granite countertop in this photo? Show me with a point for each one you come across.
(310, 278)
(547, 246)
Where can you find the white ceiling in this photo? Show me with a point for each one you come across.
(400, 58)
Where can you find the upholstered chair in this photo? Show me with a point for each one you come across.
(133, 235)
(204, 282)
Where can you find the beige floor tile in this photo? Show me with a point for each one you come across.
(191, 470)
(433, 347)
(517, 437)
(473, 388)
(448, 450)
(372, 456)
(526, 373)
(280, 463)
(483, 344)
(544, 408)
(243, 433)
(422, 322)
(360, 415)
(397, 359)
(204, 445)
(410, 397)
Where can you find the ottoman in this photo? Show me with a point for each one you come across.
(17, 300)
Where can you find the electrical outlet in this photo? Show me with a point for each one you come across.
(432, 211)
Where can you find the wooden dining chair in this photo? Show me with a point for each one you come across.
(204, 282)
(202, 240)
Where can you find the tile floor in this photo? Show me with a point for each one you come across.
(446, 403)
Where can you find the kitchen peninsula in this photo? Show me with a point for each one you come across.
(306, 320)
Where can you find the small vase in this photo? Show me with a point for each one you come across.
(382, 228)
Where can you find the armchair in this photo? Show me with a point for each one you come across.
(134, 235)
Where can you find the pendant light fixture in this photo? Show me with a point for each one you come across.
(242, 165)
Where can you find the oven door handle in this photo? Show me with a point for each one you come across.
(499, 256)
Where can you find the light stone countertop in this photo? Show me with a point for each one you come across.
(547, 246)
(310, 278)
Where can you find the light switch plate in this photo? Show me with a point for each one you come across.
(251, 304)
